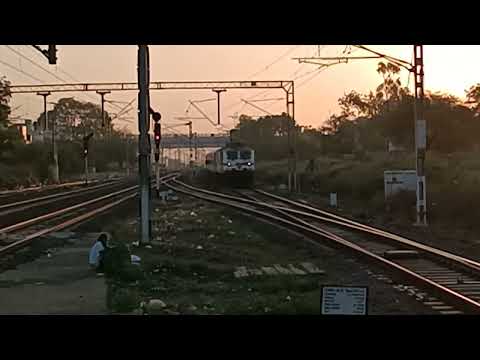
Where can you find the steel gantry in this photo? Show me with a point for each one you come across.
(286, 85)
(154, 85)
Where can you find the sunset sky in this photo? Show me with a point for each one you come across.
(449, 68)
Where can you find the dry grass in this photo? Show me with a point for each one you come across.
(452, 181)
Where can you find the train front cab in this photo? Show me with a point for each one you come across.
(238, 166)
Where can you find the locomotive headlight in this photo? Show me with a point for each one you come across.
(249, 163)
(229, 164)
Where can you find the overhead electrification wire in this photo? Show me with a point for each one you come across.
(39, 66)
(314, 73)
(289, 51)
(57, 77)
(396, 61)
(275, 61)
(20, 71)
(34, 63)
(125, 109)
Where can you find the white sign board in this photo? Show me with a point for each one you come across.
(401, 180)
(421, 134)
(333, 199)
(342, 300)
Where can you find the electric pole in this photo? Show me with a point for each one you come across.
(86, 139)
(54, 159)
(55, 172)
(218, 91)
(196, 148)
(44, 94)
(291, 141)
(127, 158)
(291, 136)
(102, 94)
(420, 136)
(144, 147)
(190, 137)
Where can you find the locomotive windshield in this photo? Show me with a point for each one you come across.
(245, 154)
(232, 155)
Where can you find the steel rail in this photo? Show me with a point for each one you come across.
(7, 193)
(442, 292)
(76, 220)
(471, 264)
(29, 238)
(365, 228)
(55, 196)
(53, 214)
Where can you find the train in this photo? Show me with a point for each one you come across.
(232, 165)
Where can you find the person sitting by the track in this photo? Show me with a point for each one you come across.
(97, 253)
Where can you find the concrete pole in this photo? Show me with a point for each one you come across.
(144, 146)
(420, 136)
(55, 170)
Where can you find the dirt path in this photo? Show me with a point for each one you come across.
(61, 283)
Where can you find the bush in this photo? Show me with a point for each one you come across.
(122, 299)
(13, 176)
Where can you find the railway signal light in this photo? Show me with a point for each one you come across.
(157, 134)
(86, 139)
(157, 137)
(156, 116)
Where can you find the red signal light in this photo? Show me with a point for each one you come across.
(156, 133)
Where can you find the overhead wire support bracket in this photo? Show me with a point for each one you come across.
(345, 59)
(256, 107)
(193, 103)
(50, 53)
(265, 100)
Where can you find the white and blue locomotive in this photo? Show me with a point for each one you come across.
(233, 164)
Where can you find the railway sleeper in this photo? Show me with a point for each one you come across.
(454, 281)
(400, 254)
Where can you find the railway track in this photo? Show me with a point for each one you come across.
(38, 191)
(448, 283)
(18, 211)
(20, 234)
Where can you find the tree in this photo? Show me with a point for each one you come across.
(452, 126)
(473, 97)
(74, 119)
(8, 135)
(4, 102)
(354, 105)
(390, 90)
(334, 124)
(267, 134)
